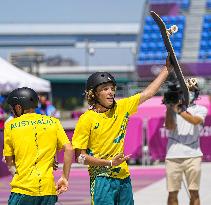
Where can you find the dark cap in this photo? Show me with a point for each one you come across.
(99, 78)
(25, 97)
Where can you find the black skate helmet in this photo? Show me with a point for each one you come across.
(99, 78)
(25, 97)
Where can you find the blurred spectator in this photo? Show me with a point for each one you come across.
(77, 113)
(45, 107)
(3, 114)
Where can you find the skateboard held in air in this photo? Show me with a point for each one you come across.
(167, 42)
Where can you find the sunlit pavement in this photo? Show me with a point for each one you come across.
(79, 184)
(156, 194)
(149, 186)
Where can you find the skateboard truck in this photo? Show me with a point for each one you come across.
(173, 29)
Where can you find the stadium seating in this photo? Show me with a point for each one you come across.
(152, 48)
(205, 43)
(184, 4)
(208, 4)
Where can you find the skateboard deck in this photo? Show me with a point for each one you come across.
(167, 42)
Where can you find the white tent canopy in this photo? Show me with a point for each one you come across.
(12, 78)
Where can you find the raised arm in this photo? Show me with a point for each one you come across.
(154, 86)
(170, 122)
(193, 119)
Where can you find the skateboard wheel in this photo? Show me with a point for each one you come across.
(172, 30)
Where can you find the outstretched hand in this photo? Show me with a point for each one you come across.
(62, 185)
(118, 159)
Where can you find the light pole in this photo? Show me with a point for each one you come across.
(87, 55)
(89, 51)
(133, 65)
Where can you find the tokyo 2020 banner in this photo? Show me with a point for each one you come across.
(157, 137)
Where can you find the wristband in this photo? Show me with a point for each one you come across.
(111, 163)
(81, 159)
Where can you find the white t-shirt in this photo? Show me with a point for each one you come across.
(184, 142)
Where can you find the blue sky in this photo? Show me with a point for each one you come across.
(70, 11)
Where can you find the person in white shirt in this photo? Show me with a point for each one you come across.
(184, 155)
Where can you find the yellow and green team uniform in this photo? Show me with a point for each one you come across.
(102, 136)
(34, 139)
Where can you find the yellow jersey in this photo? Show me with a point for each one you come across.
(34, 139)
(102, 135)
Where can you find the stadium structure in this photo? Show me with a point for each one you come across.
(133, 52)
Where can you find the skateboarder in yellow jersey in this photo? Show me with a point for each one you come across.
(99, 137)
(30, 144)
